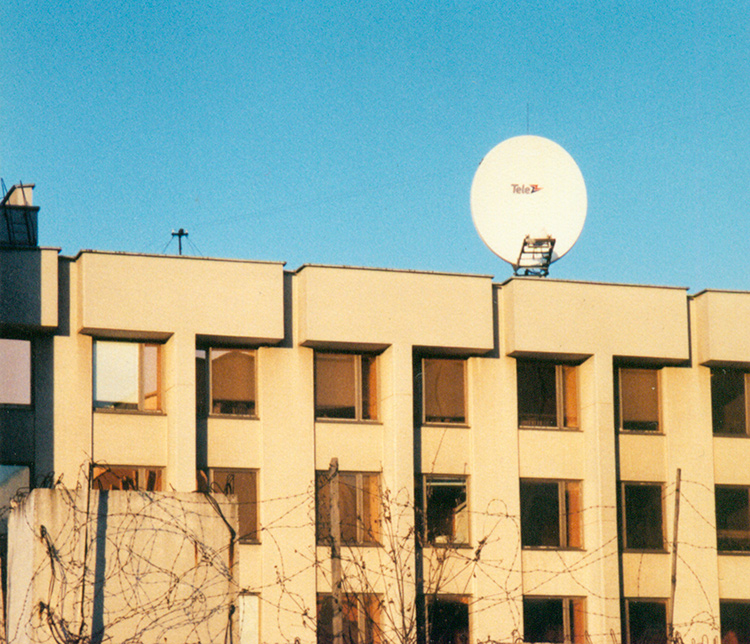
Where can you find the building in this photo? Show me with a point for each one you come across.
(511, 456)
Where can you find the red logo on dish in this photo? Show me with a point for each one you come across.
(523, 189)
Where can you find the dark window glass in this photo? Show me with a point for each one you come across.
(735, 622)
(446, 510)
(732, 519)
(647, 622)
(643, 517)
(728, 406)
(543, 620)
(540, 514)
(537, 394)
(448, 621)
(551, 514)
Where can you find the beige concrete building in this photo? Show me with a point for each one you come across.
(541, 459)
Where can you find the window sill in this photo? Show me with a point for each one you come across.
(16, 406)
(645, 551)
(731, 435)
(549, 428)
(248, 542)
(446, 424)
(347, 421)
(130, 412)
(733, 553)
(444, 546)
(234, 416)
(345, 544)
(552, 549)
(642, 432)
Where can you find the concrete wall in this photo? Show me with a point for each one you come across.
(130, 566)
(401, 316)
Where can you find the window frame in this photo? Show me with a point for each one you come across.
(730, 535)
(745, 431)
(453, 541)
(561, 393)
(368, 607)
(28, 385)
(363, 527)
(639, 426)
(140, 472)
(624, 514)
(205, 403)
(140, 407)
(362, 402)
(566, 526)
(627, 635)
(569, 605)
(207, 484)
(433, 419)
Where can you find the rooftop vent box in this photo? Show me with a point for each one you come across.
(18, 217)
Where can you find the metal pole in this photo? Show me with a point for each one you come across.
(333, 481)
(670, 608)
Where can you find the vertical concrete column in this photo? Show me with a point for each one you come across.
(287, 497)
(178, 373)
(686, 409)
(495, 503)
(600, 496)
(397, 483)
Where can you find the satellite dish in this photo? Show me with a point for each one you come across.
(528, 202)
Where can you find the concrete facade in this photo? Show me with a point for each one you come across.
(449, 415)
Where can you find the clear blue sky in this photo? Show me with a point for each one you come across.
(349, 133)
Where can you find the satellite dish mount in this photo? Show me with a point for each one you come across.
(535, 256)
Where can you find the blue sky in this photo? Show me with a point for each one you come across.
(349, 133)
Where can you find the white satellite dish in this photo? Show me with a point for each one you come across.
(528, 202)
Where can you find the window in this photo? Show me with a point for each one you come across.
(125, 477)
(444, 383)
(732, 518)
(547, 394)
(359, 507)
(551, 514)
(646, 621)
(225, 381)
(448, 620)
(346, 386)
(554, 619)
(642, 512)
(735, 622)
(639, 399)
(15, 372)
(446, 510)
(729, 401)
(127, 375)
(243, 484)
(360, 619)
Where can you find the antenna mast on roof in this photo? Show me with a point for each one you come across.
(180, 234)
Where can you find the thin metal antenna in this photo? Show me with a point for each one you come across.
(180, 234)
(527, 118)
